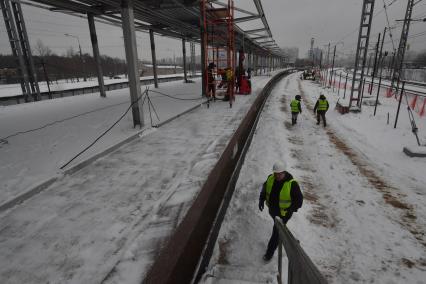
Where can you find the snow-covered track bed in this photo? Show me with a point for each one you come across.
(363, 217)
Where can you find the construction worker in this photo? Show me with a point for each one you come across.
(321, 108)
(211, 83)
(296, 107)
(283, 197)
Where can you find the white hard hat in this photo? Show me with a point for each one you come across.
(279, 167)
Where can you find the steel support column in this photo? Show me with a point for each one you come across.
(185, 76)
(129, 33)
(95, 47)
(192, 47)
(154, 58)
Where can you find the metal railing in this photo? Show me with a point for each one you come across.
(301, 269)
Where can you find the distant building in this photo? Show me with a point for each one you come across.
(292, 53)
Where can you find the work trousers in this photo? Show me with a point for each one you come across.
(321, 114)
(274, 240)
(294, 117)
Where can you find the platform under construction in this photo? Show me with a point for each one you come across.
(182, 19)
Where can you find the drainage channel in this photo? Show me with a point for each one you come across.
(188, 252)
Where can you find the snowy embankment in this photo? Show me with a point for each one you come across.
(10, 90)
(106, 222)
(364, 214)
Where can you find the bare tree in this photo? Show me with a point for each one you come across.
(42, 49)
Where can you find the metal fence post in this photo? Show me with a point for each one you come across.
(280, 262)
(399, 104)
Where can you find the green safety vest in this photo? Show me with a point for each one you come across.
(294, 105)
(285, 197)
(322, 104)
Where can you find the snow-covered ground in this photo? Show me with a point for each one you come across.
(30, 158)
(363, 218)
(106, 222)
(10, 90)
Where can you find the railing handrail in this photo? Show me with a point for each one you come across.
(301, 269)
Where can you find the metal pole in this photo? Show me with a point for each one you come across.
(380, 83)
(332, 67)
(185, 78)
(340, 80)
(399, 103)
(390, 67)
(46, 78)
(95, 47)
(362, 92)
(346, 84)
(82, 61)
(328, 62)
(154, 58)
(280, 261)
(203, 45)
(376, 52)
(128, 23)
(369, 63)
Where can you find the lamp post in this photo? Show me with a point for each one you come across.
(81, 55)
(332, 67)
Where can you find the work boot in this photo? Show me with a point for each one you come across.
(318, 122)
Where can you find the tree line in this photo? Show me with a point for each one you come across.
(70, 66)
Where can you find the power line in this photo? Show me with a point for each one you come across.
(387, 20)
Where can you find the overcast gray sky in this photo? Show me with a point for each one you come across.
(293, 23)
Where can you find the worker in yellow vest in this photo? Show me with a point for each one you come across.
(320, 109)
(296, 108)
(283, 197)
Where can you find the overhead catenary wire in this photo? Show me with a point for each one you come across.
(356, 29)
(387, 20)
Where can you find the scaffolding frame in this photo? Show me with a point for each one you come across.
(218, 43)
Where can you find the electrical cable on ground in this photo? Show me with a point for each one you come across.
(4, 139)
(106, 131)
(414, 128)
(172, 97)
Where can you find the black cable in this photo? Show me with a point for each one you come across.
(59, 121)
(106, 131)
(414, 128)
(172, 97)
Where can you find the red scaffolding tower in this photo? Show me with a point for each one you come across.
(219, 48)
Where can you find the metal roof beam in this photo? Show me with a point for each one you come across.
(255, 31)
(235, 8)
(72, 6)
(246, 19)
(259, 37)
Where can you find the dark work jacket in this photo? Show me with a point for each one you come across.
(274, 197)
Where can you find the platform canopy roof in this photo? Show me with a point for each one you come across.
(173, 18)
